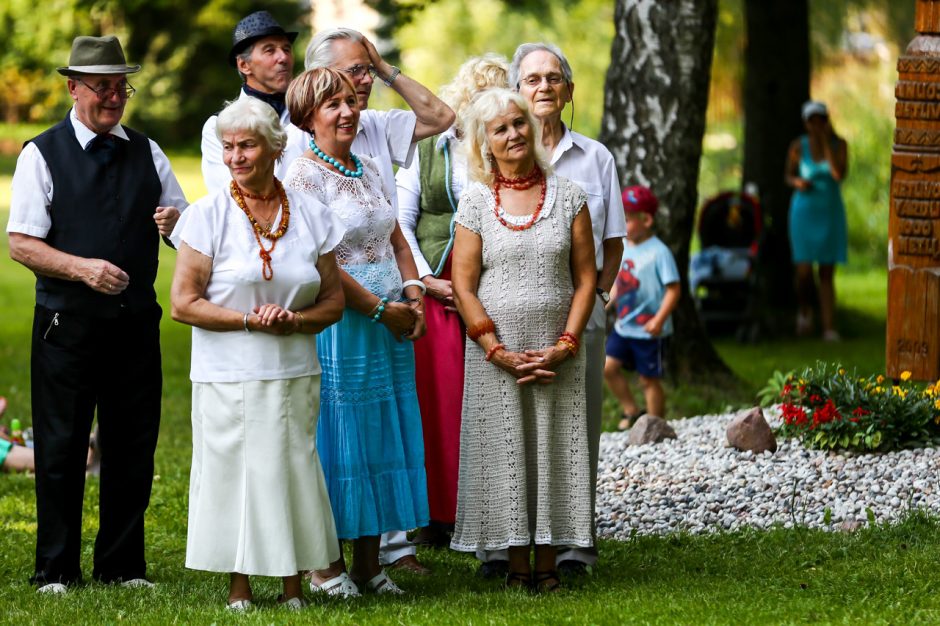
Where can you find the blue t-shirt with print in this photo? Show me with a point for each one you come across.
(645, 271)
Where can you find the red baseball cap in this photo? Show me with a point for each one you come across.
(639, 199)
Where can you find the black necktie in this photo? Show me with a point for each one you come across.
(101, 148)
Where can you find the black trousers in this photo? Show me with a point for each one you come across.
(80, 364)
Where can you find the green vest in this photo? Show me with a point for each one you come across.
(435, 228)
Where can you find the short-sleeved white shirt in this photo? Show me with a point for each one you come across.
(387, 137)
(590, 165)
(33, 190)
(219, 229)
(216, 174)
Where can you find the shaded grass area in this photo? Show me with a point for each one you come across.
(884, 574)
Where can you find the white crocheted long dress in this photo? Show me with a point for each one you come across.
(523, 448)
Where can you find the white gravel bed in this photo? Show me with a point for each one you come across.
(698, 484)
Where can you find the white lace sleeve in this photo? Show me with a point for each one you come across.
(469, 209)
(304, 176)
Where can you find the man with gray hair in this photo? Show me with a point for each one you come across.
(387, 137)
(263, 55)
(91, 199)
(542, 75)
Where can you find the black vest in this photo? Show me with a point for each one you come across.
(102, 211)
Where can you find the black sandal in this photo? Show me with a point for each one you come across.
(627, 420)
(546, 582)
(518, 580)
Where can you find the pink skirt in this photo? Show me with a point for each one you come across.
(439, 377)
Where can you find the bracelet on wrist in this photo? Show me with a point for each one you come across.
(415, 283)
(301, 318)
(494, 350)
(475, 331)
(378, 310)
(245, 322)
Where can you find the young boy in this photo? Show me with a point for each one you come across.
(644, 296)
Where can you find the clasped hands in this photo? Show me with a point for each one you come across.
(404, 321)
(531, 366)
(276, 320)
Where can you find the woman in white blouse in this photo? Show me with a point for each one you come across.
(256, 277)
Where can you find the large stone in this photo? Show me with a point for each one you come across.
(750, 431)
(650, 429)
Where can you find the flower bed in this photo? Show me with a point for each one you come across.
(829, 408)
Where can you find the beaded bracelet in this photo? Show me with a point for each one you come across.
(245, 322)
(494, 350)
(379, 309)
(564, 342)
(479, 329)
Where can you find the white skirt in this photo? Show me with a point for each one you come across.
(258, 502)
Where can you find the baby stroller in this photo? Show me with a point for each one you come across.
(722, 275)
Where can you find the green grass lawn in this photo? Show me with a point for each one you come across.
(877, 575)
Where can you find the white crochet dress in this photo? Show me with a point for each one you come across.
(523, 449)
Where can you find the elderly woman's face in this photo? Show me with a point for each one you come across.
(248, 157)
(509, 136)
(336, 121)
(542, 84)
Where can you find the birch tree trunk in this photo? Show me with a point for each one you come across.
(656, 95)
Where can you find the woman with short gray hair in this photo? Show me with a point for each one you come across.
(256, 278)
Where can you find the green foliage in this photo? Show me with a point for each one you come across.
(447, 32)
(829, 408)
(771, 393)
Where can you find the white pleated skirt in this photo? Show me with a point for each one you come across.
(258, 502)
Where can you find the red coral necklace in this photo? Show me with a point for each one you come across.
(521, 184)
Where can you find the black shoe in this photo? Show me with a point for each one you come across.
(570, 567)
(493, 569)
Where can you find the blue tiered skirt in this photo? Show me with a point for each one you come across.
(369, 433)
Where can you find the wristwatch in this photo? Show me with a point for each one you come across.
(604, 295)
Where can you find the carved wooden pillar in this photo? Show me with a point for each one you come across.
(913, 334)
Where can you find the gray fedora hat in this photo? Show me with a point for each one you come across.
(256, 26)
(97, 55)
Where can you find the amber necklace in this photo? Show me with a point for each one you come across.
(522, 183)
(266, 270)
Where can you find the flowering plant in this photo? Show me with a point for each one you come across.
(829, 408)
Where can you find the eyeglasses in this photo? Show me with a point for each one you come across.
(534, 80)
(123, 90)
(358, 71)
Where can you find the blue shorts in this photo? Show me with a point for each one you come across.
(646, 356)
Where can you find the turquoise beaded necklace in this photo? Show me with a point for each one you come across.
(342, 169)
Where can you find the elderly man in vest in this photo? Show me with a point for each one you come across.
(387, 137)
(91, 199)
(263, 56)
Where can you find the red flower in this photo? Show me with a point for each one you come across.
(859, 412)
(787, 389)
(826, 413)
(793, 414)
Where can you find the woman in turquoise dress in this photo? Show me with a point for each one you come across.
(816, 166)
(369, 432)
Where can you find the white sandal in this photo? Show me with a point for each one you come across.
(381, 584)
(341, 586)
(239, 606)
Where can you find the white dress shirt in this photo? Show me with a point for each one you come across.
(32, 183)
(387, 137)
(590, 165)
(217, 175)
(408, 180)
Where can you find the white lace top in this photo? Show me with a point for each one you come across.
(365, 207)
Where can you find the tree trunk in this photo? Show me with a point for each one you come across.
(655, 99)
(776, 84)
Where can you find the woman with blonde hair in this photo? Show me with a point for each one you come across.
(428, 193)
(523, 281)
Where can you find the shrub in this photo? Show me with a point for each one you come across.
(829, 408)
